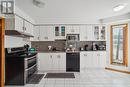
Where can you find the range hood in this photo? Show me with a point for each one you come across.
(17, 33)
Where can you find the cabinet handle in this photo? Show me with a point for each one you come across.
(58, 56)
(51, 56)
(38, 38)
(46, 38)
(23, 29)
(98, 54)
(86, 37)
(85, 54)
(72, 30)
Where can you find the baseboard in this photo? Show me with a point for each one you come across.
(122, 71)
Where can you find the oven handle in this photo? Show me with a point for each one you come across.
(30, 67)
(31, 57)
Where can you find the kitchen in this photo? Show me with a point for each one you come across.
(59, 45)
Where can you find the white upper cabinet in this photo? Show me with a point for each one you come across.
(92, 33)
(86, 33)
(47, 33)
(72, 29)
(17, 23)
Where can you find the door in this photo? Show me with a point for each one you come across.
(2, 57)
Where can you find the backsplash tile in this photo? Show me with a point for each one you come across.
(60, 45)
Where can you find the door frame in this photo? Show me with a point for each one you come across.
(2, 52)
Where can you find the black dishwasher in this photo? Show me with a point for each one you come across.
(73, 62)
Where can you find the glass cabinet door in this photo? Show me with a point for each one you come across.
(62, 30)
(57, 32)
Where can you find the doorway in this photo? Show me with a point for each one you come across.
(2, 53)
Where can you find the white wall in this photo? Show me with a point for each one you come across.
(15, 41)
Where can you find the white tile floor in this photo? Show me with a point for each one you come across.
(87, 78)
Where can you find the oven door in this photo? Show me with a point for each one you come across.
(29, 72)
(29, 62)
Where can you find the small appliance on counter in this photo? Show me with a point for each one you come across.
(102, 47)
(94, 47)
(50, 48)
(86, 47)
(32, 50)
(72, 37)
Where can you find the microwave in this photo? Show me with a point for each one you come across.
(72, 37)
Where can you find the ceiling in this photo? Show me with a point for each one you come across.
(72, 11)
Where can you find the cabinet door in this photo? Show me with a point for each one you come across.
(44, 62)
(96, 59)
(102, 60)
(83, 59)
(69, 29)
(55, 61)
(73, 29)
(102, 33)
(50, 33)
(36, 33)
(43, 33)
(86, 33)
(76, 29)
(99, 59)
(19, 24)
(28, 27)
(46, 33)
(89, 32)
(62, 62)
(96, 31)
(83, 33)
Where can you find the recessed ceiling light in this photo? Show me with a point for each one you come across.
(119, 7)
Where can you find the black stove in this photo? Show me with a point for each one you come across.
(20, 65)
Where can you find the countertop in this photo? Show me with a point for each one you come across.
(70, 52)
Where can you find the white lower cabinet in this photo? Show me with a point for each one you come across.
(51, 61)
(93, 59)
